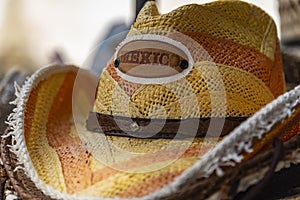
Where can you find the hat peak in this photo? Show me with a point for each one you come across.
(149, 10)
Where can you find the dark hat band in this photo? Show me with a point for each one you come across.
(161, 128)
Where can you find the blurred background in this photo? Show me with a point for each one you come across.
(34, 33)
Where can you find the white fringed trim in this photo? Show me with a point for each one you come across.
(227, 153)
(161, 80)
(12, 197)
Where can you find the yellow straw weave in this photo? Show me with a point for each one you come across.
(192, 92)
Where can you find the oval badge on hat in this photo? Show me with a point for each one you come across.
(152, 59)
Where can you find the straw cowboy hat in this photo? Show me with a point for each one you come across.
(187, 107)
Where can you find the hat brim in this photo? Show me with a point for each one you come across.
(61, 158)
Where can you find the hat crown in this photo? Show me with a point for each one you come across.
(223, 37)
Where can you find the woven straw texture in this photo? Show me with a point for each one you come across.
(151, 99)
(61, 159)
(233, 20)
